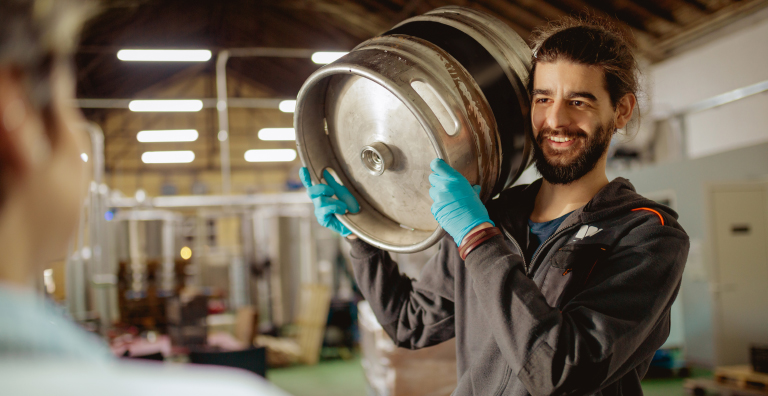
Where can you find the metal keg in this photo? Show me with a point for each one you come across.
(448, 84)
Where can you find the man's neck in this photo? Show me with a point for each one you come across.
(555, 200)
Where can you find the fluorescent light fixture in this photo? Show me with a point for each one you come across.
(163, 55)
(165, 105)
(287, 106)
(168, 157)
(322, 58)
(173, 135)
(277, 134)
(275, 155)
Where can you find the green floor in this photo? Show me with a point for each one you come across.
(327, 378)
(345, 378)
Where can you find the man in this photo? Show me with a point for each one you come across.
(42, 183)
(563, 286)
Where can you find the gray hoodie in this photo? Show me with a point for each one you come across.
(585, 316)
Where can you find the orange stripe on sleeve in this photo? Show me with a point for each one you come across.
(651, 210)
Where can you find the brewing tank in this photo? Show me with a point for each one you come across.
(449, 84)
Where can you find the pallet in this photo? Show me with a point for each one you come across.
(742, 377)
(702, 387)
(313, 315)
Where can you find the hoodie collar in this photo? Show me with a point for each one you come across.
(616, 197)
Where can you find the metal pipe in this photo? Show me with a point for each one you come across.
(221, 107)
(718, 100)
(222, 103)
(678, 118)
(208, 103)
(168, 274)
(192, 201)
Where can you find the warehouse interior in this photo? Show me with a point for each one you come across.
(203, 247)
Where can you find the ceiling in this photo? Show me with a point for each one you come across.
(660, 26)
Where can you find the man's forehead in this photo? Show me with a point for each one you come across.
(566, 76)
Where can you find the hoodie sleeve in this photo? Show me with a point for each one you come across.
(607, 329)
(415, 313)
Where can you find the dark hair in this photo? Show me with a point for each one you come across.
(591, 41)
(36, 34)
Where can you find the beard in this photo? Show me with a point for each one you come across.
(566, 166)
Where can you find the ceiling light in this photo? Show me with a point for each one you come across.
(287, 106)
(275, 155)
(165, 55)
(165, 105)
(168, 157)
(174, 135)
(322, 58)
(84, 157)
(277, 134)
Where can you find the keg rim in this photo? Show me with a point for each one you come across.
(322, 76)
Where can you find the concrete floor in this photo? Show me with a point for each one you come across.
(345, 378)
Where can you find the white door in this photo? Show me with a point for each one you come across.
(739, 220)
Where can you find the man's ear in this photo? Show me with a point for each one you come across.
(624, 109)
(22, 136)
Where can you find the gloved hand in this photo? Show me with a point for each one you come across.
(325, 205)
(457, 206)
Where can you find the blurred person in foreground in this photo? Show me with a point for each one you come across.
(560, 287)
(42, 183)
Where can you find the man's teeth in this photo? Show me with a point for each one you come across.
(560, 139)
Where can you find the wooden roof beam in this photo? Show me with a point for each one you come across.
(654, 23)
(646, 44)
(681, 10)
(542, 9)
(515, 14)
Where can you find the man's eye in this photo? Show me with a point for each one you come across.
(542, 100)
(578, 103)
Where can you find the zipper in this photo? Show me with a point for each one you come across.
(541, 247)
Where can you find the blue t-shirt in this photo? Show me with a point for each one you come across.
(539, 232)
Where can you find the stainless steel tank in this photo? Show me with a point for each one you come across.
(448, 84)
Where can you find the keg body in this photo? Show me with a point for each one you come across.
(378, 116)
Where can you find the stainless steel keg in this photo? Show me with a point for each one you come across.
(448, 84)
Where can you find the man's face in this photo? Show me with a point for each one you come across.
(572, 118)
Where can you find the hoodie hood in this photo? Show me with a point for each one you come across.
(619, 196)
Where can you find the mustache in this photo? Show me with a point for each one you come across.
(549, 132)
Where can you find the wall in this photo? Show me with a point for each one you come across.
(731, 60)
(688, 181)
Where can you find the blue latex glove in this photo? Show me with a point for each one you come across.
(325, 205)
(457, 207)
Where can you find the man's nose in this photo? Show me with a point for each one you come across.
(557, 116)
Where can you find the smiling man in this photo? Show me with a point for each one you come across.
(563, 286)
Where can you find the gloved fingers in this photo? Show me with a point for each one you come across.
(445, 194)
(306, 179)
(442, 168)
(320, 190)
(326, 206)
(477, 189)
(336, 225)
(342, 192)
(443, 182)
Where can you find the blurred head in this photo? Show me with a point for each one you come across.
(41, 134)
(583, 88)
